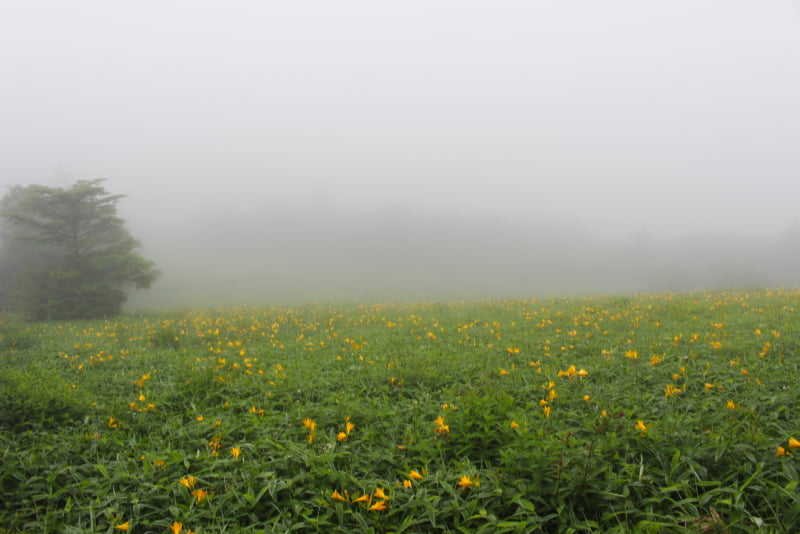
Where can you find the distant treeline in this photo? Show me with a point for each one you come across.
(284, 255)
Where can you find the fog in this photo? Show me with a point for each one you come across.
(276, 152)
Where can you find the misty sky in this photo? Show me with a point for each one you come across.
(628, 116)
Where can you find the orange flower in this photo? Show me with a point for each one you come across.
(782, 451)
(363, 498)
(415, 475)
(466, 481)
(176, 527)
(378, 506)
(793, 443)
(124, 526)
(310, 424)
(337, 496)
(514, 424)
(380, 494)
(341, 436)
(189, 481)
(200, 494)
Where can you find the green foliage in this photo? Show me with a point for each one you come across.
(66, 254)
(303, 419)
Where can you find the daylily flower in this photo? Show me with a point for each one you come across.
(514, 424)
(200, 494)
(124, 526)
(466, 481)
(782, 451)
(793, 443)
(380, 494)
(363, 498)
(189, 481)
(641, 426)
(337, 496)
(236, 451)
(378, 506)
(415, 475)
(310, 424)
(176, 527)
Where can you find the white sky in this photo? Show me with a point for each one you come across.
(660, 116)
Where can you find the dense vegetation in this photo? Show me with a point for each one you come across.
(651, 413)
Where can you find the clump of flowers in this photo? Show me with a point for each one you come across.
(572, 372)
(441, 426)
(376, 502)
(311, 425)
(348, 427)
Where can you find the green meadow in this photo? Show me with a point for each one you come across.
(643, 413)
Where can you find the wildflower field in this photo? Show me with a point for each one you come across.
(647, 413)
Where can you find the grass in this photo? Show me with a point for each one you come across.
(647, 413)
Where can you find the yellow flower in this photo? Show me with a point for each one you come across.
(310, 424)
(514, 424)
(632, 354)
(793, 443)
(189, 481)
(586, 398)
(337, 496)
(124, 526)
(731, 405)
(708, 386)
(236, 451)
(200, 494)
(341, 436)
(583, 373)
(415, 475)
(380, 494)
(378, 506)
(363, 498)
(547, 411)
(406, 484)
(176, 527)
(781, 451)
(348, 427)
(200, 418)
(466, 481)
(641, 426)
